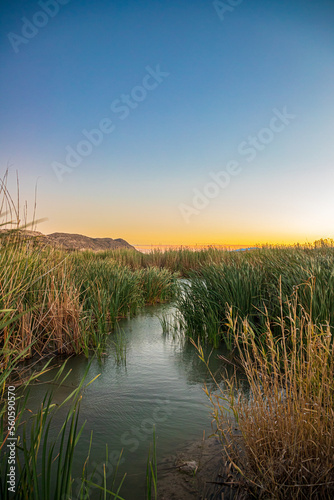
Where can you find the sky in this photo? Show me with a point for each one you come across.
(171, 122)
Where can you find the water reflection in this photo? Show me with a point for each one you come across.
(160, 384)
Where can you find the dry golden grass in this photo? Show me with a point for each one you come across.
(284, 447)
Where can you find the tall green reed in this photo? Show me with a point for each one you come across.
(44, 462)
(250, 285)
(152, 471)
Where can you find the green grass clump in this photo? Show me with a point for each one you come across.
(250, 284)
(157, 285)
(66, 303)
(180, 260)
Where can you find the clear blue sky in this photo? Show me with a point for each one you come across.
(222, 78)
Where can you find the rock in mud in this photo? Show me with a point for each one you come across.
(188, 467)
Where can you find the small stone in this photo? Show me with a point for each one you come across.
(189, 467)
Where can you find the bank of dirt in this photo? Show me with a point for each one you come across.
(200, 471)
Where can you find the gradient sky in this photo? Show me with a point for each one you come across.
(229, 74)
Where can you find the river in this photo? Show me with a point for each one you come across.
(160, 384)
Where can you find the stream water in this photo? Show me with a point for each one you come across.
(161, 384)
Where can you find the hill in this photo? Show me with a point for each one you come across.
(70, 241)
(80, 242)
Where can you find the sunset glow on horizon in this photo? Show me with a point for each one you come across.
(172, 124)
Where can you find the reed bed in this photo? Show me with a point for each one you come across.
(285, 445)
(181, 261)
(65, 303)
(250, 284)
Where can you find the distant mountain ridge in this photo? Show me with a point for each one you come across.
(81, 242)
(70, 241)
